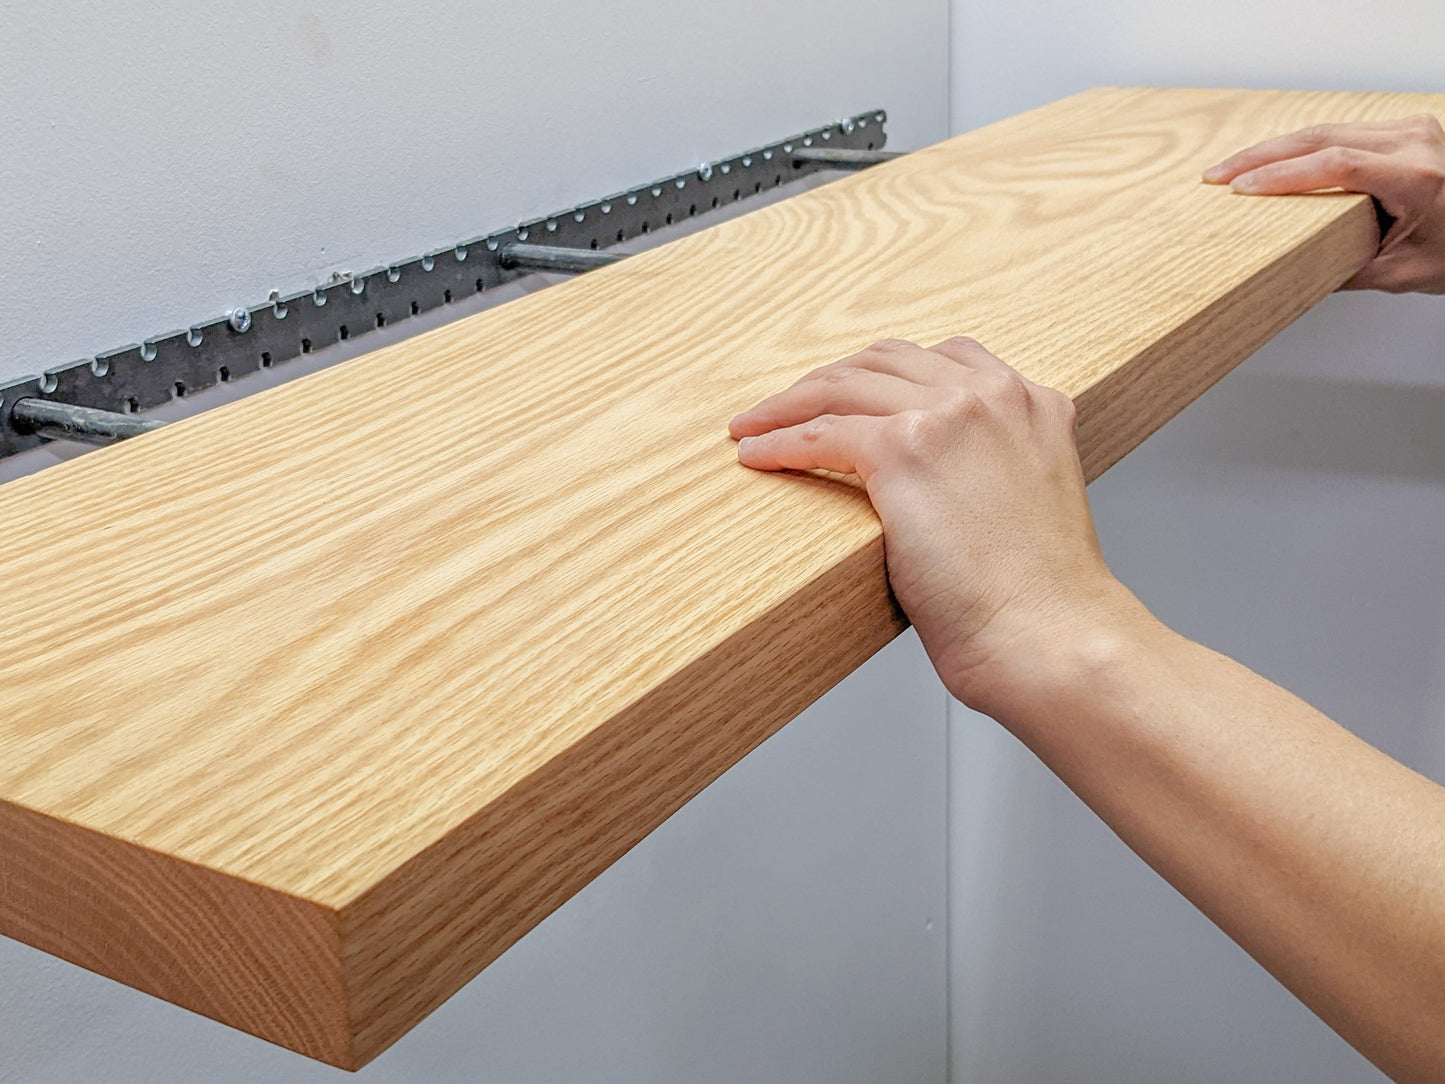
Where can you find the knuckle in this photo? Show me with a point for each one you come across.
(966, 404)
(891, 344)
(840, 374)
(967, 342)
(1012, 388)
(911, 435)
(1427, 126)
(1343, 160)
(1317, 135)
(816, 429)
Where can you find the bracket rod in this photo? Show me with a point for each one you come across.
(842, 157)
(137, 377)
(518, 254)
(66, 421)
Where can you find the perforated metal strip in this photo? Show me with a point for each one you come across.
(144, 375)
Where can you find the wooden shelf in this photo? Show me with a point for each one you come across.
(301, 725)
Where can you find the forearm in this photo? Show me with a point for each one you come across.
(1318, 854)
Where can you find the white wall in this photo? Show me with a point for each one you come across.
(160, 163)
(163, 162)
(1290, 518)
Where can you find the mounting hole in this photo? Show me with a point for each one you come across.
(415, 308)
(180, 389)
(265, 359)
(737, 193)
(481, 285)
(223, 374)
(757, 186)
(619, 235)
(343, 333)
(715, 201)
(669, 218)
(594, 245)
(132, 404)
(381, 319)
(447, 296)
(305, 346)
(646, 228)
(691, 210)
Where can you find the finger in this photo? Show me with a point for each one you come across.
(1334, 167)
(841, 390)
(899, 358)
(1367, 137)
(970, 353)
(830, 442)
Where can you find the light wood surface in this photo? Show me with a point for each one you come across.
(305, 717)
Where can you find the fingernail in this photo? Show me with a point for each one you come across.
(1214, 174)
(1246, 183)
(744, 444)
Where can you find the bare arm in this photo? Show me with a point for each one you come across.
(1321, 856)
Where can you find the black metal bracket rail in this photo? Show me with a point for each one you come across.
(144, 375)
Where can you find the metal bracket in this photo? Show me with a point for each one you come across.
(144, 375)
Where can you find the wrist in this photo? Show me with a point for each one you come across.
(1041, 660)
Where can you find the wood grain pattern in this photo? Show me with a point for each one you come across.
(302, 726)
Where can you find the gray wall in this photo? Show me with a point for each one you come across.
(1290, 518)
(160, 163)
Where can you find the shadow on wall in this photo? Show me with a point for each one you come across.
(1323, 425)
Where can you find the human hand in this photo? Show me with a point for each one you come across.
(973, 471)
(1400, 163)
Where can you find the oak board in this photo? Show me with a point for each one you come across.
(303, 725)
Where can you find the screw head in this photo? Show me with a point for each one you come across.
(704, 171)
(240, 321)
